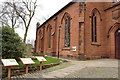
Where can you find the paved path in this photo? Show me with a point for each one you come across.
(103, 68)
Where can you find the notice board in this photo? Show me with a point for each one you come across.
(27, 61)
(41, 59)
(9, 62)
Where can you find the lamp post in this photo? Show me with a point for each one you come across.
(59, 27)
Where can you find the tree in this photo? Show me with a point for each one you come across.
(8, 16)
(12, 45)
(19, 12)
(26, 11)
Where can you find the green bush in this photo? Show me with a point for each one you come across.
(12, 45)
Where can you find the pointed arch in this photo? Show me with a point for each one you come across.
(95, 25)
(67, 19)
(49, 30)
(40, 40)
(40, 34)
(65, 16)
(95, 10)
(48, 26)
(67, 32)
(112, 27)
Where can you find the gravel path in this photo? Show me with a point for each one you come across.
(103, 68)
(39, 74)
(97, 72)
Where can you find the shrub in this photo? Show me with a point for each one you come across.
(12, 45)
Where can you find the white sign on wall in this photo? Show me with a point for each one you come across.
(27, 61)
(119, 31)
(41, 59)
(9, 62)
(74, 48)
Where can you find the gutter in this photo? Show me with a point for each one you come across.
(115, 5)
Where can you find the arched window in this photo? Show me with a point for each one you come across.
(67, 32)
(94, 27)
(49, 36)
(41, 39)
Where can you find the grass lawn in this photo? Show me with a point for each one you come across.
(37, 63)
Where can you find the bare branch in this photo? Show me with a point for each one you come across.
(24, 12)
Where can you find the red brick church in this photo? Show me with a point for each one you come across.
(81, 30)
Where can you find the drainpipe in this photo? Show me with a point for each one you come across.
(84, 28)
(59, 27)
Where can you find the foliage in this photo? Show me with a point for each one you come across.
(12, 45)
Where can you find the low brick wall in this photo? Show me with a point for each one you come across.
(16, 70)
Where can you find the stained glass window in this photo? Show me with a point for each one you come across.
(67, 32)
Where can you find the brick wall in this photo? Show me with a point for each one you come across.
(80, 31)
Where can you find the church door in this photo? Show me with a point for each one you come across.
(117, 39)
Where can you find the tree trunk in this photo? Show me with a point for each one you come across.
(25, 35)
